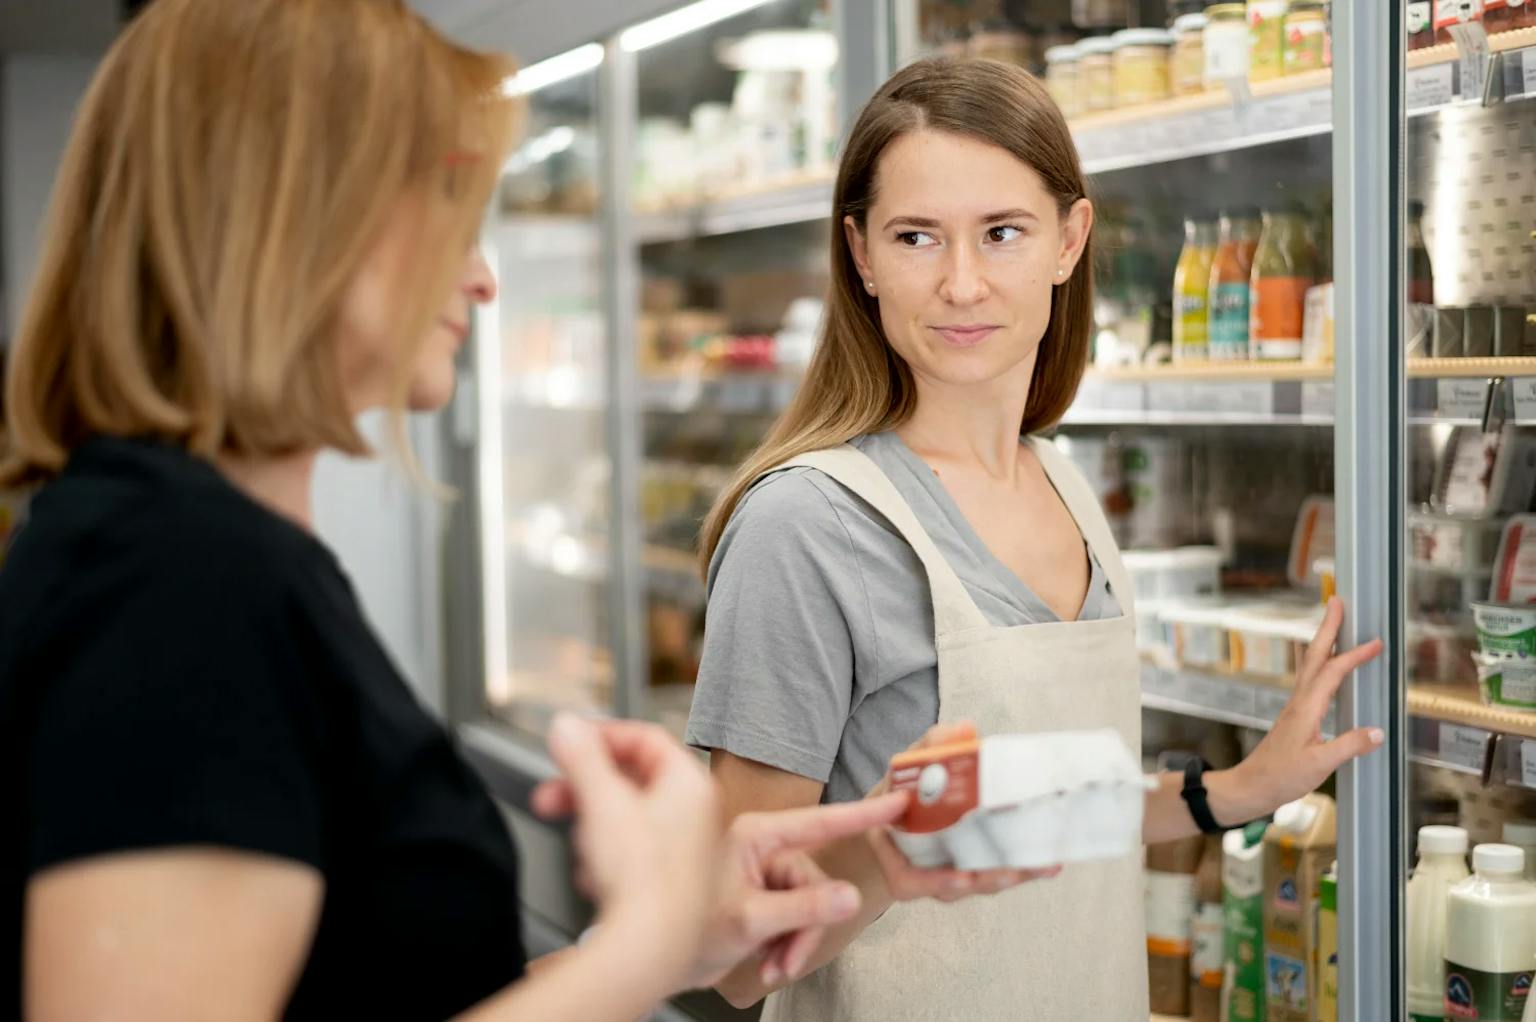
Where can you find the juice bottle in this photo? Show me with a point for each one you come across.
(1442, 865)
(1490, 944)
(1231, 270)
(1191, 284)
(1284, 267)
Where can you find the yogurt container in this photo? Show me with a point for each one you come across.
(1505, 629)
(1508, 681)
(1020, 801)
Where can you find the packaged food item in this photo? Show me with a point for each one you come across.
(1174, 574)
(1231, 283)
(1020, 801)
(1197, 632)
(1477, 332)
(1191, 288)
(1442, 864)
(1449, 13)
(1421, 273)
(1298, 848)
(1284, 268)
(1506, 629)
(1063, 77)
(1326, 573)
(1226, 43)
(1270, 639)
(1442, 651)
(1142, 63)
(1421, 24)
(1312, 542)
(1454, 544)
(1490, 944)
(1318, 325)
(1242, 881)
(1208, 931)
(1306, 37)
(1522, 834)
(1096, 73)
(1486, 473)
(1189, 54)
(1511, 337)
(1514, 566)
(1171, 869)
(1328, 946)
(1266, 39)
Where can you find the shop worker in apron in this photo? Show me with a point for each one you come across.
(904, 553)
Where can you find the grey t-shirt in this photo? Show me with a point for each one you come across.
(819, 654)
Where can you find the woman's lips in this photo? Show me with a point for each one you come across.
(965, 336)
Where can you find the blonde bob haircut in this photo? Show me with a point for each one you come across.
(231, 167)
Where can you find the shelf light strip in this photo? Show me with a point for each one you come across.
(559, 68)
(683, 21)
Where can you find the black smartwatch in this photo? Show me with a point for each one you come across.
(1196, 797)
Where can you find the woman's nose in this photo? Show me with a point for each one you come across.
(479, 281)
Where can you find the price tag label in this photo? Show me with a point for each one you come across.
(1317, 398)
(1528, 764)
(1465, 748)
(1461, 399)
(1523, 391)
(1245, 398)
(1202, 397)
(1431, 86)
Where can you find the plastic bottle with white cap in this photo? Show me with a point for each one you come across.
(1522, 834)
(1442, 865)
(1490, 942)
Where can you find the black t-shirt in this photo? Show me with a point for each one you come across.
(180, 666)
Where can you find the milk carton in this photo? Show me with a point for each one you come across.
(1242, 884)
(1298, 849)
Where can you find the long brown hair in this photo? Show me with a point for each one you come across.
(856, 383)
(229, 171)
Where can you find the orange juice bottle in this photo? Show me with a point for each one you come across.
(1231, 272)
(1284, 267)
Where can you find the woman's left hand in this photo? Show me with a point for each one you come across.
(1294, 759)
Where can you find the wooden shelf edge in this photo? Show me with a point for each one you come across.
(1215, 371)
(1459, 704)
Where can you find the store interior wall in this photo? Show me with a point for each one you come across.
(534, 29)
(384, 527)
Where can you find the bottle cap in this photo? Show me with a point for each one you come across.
(1296, 817)
(1498, 859)
(1443, 841)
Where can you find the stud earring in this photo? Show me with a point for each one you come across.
(871, 285)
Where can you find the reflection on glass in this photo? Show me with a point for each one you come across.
(545, 467)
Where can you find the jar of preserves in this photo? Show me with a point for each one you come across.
(1142, 66)
(1189, 54)
(1063, 78)
(1096, 73)
(1306, 36)
(1226, 42)
(1266, 39)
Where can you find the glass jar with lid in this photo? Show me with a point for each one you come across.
(1063, 78)
(1306, 36)
(1189, 54)
(1142, 66)
(1226, 42)
(1096, 73)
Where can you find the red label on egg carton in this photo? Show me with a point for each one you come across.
(944, 782)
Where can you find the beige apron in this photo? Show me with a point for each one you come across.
(1070, 948)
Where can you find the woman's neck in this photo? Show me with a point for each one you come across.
(283, 485)
(975, 424)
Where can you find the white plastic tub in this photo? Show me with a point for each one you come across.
(1197, 633)
(1270, 639)
(1174, 574)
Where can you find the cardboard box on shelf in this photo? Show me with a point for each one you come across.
(1298, 849)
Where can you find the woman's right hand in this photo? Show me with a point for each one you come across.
(906, 882)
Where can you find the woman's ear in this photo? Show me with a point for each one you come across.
(1076, 226)
(858, 247)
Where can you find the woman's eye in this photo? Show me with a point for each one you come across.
(1003, 233)
(915, 239)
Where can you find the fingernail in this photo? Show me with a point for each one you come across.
(1378, 736)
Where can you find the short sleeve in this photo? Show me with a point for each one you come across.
(787, 616)
(175, 714)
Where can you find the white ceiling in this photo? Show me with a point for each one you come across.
(534, 29)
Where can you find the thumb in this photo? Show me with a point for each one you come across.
(1353, 744)
(771, 914)
(580, 753)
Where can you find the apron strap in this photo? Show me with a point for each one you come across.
(1084, 506)
(953, 608)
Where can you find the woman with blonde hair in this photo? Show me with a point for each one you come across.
(905, 555)
(222, 797)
